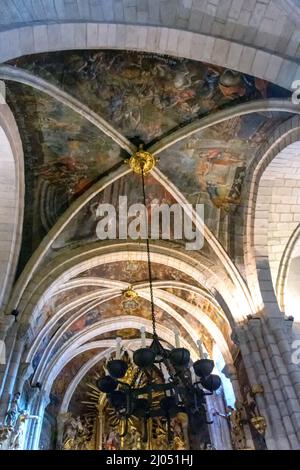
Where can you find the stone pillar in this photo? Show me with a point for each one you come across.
(231, 373)
(24, 373)
(31, 408)
(43, 401)
(265, 366)
(11, 375)
(60, 423)
(40, 402)
(8, 335)
(219, 430)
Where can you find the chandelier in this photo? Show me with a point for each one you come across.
(166, 382)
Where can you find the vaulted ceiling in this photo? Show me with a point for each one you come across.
(80, 115)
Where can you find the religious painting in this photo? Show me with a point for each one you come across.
(63, 155)
(145, 96)
(82, 229)
(209, 167)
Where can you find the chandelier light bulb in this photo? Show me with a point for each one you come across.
(200, 347)
(177, 340)
(143, 336)
(118, 353)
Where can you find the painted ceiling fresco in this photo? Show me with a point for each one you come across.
(126, 271)
(106, 310)
(209, 166)
(64, 378)
(82, 229)
(63, 156)
(133, 272)
(206, 307)
(145, 95)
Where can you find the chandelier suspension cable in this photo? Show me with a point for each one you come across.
(176, 393)
(149, 260)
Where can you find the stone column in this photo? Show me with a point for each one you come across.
(11, 375)
(24, 372)
(32, 409)
(231, 373)
(219, 430)
(60, 422)
(41, 400)
(261, 367)
(8, 335)
(2, 92)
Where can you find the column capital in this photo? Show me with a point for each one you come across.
(229, 370)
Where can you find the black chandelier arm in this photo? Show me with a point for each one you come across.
(149, 388)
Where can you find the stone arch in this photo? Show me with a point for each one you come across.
(268, 167)
(11, 199)
(287, 285)
(162, 299)
(82, 304)
(68, 265)
(68, 35)
(80, 343)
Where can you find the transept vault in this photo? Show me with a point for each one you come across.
(208, 93)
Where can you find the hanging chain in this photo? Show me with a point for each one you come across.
(149, 263)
